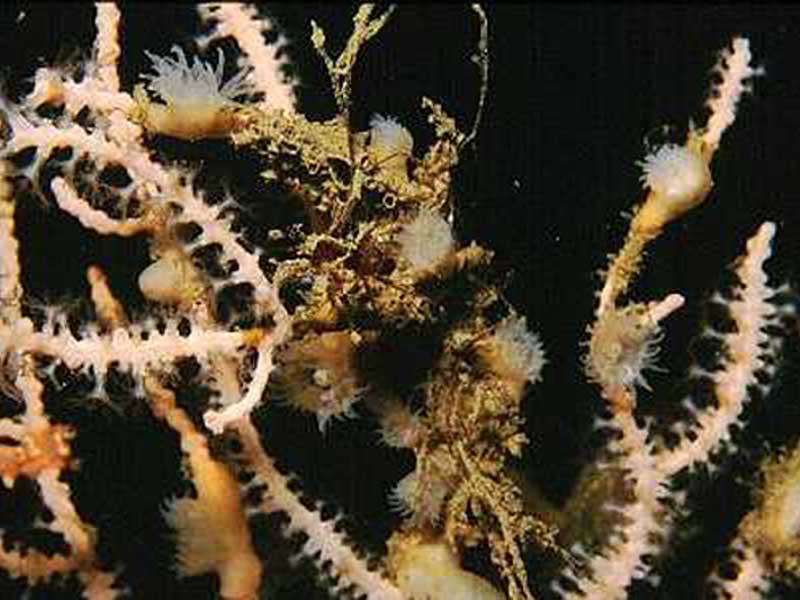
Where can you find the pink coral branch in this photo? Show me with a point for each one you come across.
(324, 542)
(243, 24)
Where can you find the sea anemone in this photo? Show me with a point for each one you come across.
(679, 179)
(172, 279)
(426, 240)
(318, 375)
(390, 146)
(430, 569)
(514, 353)
(197, 104)
(674, 171)
(624, 343)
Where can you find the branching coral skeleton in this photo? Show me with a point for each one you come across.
(222, 335)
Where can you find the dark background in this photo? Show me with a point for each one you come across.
(574, 92)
